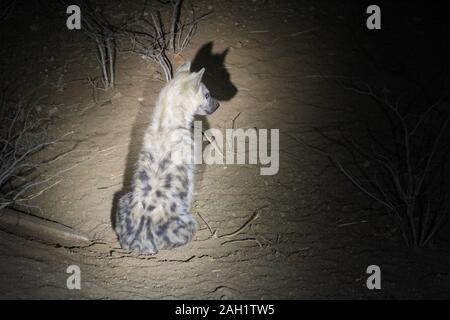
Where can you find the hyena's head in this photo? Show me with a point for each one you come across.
(189, 93)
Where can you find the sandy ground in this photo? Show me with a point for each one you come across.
(315, 234)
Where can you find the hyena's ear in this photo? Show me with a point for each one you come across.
(185, 67)
(197, 79)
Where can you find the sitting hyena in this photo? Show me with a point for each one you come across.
(156, 213)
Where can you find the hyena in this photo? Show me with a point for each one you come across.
(155, 214)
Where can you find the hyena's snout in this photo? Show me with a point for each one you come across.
(212, 106)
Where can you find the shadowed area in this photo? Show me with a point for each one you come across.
(216, 78)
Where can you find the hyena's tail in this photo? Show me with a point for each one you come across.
(133, 234)
(174, 231)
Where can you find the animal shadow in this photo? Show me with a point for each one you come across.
(216, 77)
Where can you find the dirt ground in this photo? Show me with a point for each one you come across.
(315, 234)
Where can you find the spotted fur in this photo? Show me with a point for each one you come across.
(155, 214)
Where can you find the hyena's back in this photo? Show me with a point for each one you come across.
(156, 213)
